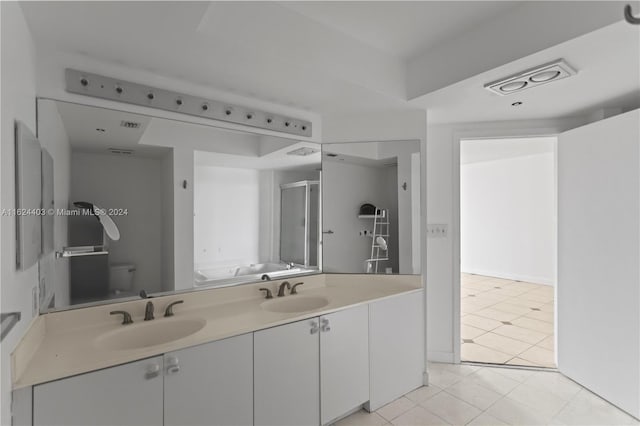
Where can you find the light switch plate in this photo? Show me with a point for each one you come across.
(437, 230)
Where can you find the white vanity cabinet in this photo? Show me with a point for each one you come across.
(344, 361)
(210, 384)
(125, 395)
(287, 374)
(396, 347)
(313, 371)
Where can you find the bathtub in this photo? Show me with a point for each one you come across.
(237, 274)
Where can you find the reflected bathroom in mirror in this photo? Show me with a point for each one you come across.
(373, 222)
(152, 205)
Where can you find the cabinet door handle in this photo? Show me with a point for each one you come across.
(153, 370)
(173, 365)
(324, 325)
(314, 327)
(172, 369)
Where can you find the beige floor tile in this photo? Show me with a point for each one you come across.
(496, 315)
(423, 393)
(489, 379)
(588, 409)
(480, 322)
(470, 332)
(508, 291)
(547, 343)
(515, 413)
(451, 409)
(514, 309)
(555, 383)
(541, 400)
(548, 307)
(474, 352)
(533, 324)
(485, 419)
(540, 356)
(465, 292)
(523, 302)
(525, 285)
(418, 416)
(473, 394)
(541, 316)
(480, 286)
(518, 374)
(537, 297)
(443, 378)
(470, 307)
(519, 333)
(502, 344)
(395, 408)
(362, 418)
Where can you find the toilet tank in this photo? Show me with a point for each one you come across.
(121, 276)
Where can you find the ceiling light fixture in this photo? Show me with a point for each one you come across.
(532, 77)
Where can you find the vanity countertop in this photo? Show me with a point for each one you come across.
(63, 344)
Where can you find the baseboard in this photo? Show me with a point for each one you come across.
(509, 276)
(434, 356)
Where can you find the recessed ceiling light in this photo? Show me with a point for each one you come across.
(516, 103)
(552, 71)
(544, 76)
(303, 151)
(516, 85)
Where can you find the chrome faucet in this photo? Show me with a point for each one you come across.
(148, 311)
(282, 286)
(289, 265)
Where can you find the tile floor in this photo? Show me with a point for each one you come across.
(506, 322)
(472, 395)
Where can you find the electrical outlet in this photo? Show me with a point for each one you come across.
(365, 233)
(34, 301)
(437, 230)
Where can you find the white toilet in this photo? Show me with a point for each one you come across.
(121, 279)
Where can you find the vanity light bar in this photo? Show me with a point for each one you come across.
(99, 86)
(532, 77)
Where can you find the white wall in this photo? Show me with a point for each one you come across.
(441, 159)
(167, 187)
(599, 251)
(18, 103)
(507, 217)
(53, 137)
(227, 216)
(133, 183)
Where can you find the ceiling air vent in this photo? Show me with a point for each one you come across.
(130, 124)
(542, 74)
(120, 151)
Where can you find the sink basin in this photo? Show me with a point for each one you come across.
(292, 304)
(155, 332)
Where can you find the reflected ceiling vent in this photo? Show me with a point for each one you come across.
(130, 124)
(543, 74)
(304, 151)
(120, 151)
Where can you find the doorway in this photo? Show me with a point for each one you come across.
(508, 244)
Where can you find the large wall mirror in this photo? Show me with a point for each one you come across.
(371, 198)
(146, 203)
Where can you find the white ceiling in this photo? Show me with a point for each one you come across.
(400, 28)
(481, 150)
(334, 57)
(608, 75)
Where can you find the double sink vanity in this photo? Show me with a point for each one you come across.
(227, 356)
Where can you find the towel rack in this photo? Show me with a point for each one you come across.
(628, 15)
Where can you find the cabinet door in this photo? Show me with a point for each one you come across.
(129, 394)
(211, 384)
(287, 375)
(344, 361)
(396, 342)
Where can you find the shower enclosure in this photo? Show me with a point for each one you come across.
(300, 225)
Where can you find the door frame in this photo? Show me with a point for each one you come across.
(492, 133)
